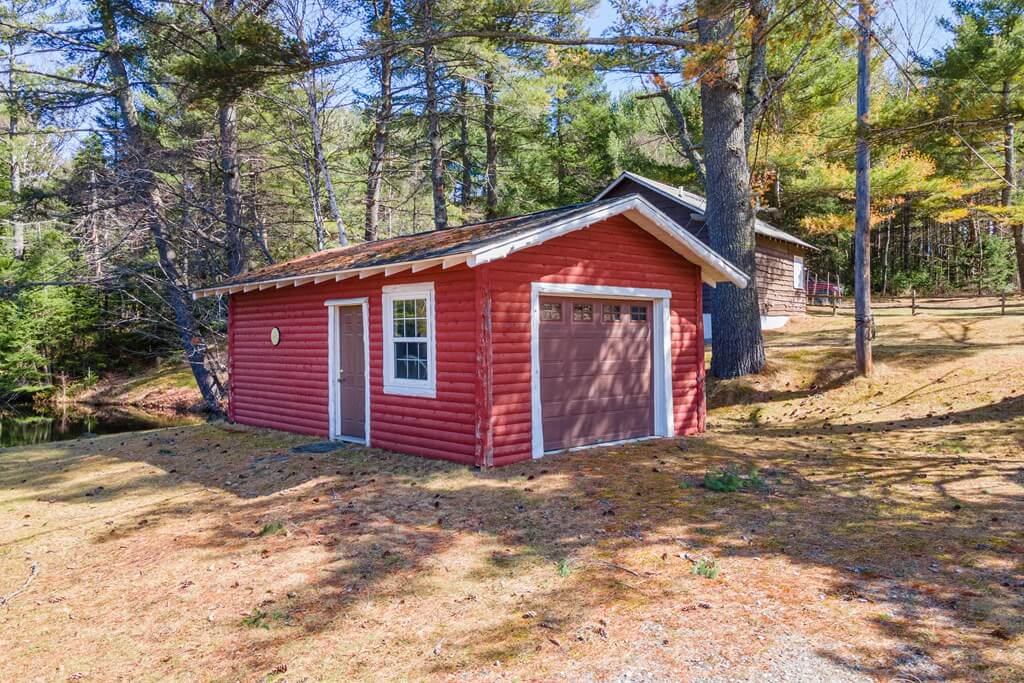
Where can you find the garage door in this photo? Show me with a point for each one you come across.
(595, 371)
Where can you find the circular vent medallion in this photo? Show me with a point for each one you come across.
(275, 336)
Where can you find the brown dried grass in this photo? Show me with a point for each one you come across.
(888, 540)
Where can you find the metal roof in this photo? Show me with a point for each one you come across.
(475, 243)
(698, 204)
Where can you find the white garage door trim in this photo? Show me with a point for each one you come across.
(664, 424)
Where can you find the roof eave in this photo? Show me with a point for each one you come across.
(645, 182)
(416, 265)
(714, 268)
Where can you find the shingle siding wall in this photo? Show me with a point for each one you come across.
(775, 290)
(774, 258)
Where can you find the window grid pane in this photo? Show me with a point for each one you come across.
(411, 360)
(409, 323)
(638, 314)
(551, 312)
(583, 313)
(612, 313)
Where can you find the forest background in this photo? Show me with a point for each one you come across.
(154, 147)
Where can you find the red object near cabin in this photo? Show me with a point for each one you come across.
(521, 337)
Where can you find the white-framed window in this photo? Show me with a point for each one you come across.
(798, 272)
(410, 365)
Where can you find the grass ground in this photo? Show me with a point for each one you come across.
(169, 386)
(881, 537)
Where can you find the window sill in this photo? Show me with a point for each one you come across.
(420, 392)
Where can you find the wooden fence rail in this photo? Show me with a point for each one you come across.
(1002, 303)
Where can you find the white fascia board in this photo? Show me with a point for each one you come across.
(686, 243)
(494, 252)
(626, 175)
(762, 228)
(714, 268)
(336, 275)
(590, 291)
(640, 180)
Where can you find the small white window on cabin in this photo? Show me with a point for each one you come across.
(798, 272)
(409, 354)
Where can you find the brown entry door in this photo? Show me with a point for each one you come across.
(352, 378)
(596, 371)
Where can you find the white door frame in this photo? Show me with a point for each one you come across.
(664, 422)
(333, 362)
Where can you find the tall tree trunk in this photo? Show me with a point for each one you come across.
(259, 228)
(905, 244)
(95, 227)
(379, 144)
(885, 256)
(16, 223)
(466, 184)
(144, 187)
(311, 171)
(230, 168)
(757, 70)
(1010, 173)
(862, 257)
(320, 157)
(737, 344)
(231, 184)
(15, 161)
(434, 124)
(491, 142)
(689, 149)
(560, 169)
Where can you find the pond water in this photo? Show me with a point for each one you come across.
(26, 425)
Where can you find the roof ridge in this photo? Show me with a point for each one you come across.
(426, 243)
(475, 224)
(688, 198)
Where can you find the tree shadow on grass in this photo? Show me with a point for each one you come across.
(821, 360)
(899, 522)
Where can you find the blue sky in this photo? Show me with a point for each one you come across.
(909, 24)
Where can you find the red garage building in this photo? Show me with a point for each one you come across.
(484, 344)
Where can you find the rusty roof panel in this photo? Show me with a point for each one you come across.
(407, 248)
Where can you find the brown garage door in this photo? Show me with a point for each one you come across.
(595, 371)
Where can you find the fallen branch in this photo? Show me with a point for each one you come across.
(4, 599)
(618, 566)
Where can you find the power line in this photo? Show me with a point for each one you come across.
(919, 89)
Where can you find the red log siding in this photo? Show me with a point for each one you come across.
(285, 387)
(482, 411)
(613, 253)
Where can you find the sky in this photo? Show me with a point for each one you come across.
(909, 24)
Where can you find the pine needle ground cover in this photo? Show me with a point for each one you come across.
(871, 530)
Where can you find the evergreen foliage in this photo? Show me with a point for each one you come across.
(524, 125)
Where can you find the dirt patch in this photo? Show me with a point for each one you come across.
(880, 539)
